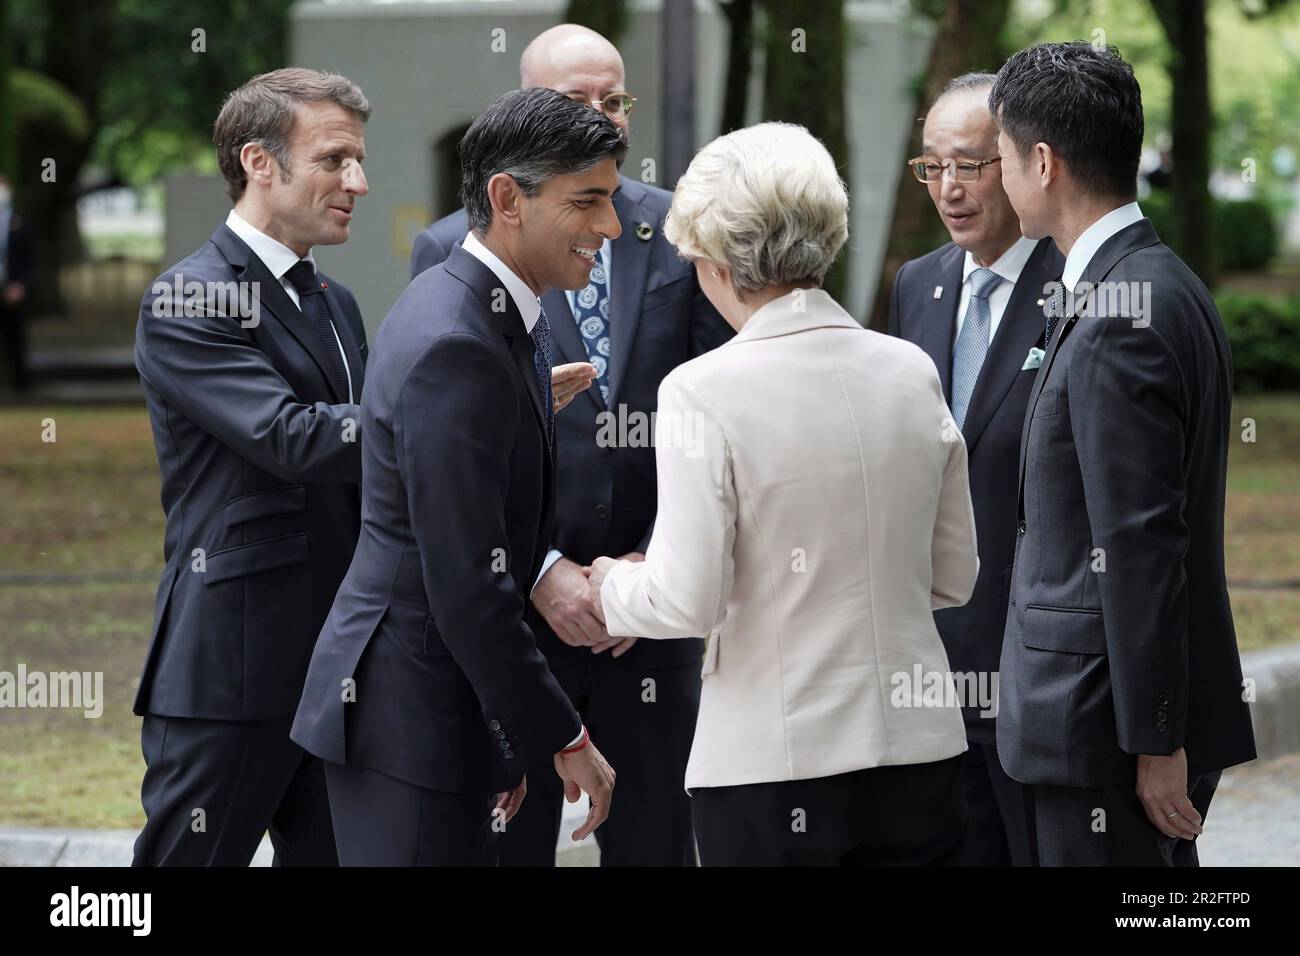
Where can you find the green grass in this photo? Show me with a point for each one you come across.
(88, 502)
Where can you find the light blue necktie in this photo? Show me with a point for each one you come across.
(973, 342)
(591, 312)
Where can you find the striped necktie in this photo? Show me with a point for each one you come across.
(973, 342)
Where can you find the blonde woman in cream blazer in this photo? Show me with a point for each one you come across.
(814, 510)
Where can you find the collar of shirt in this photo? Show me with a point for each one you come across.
(529, 306)
(604, 254)
(1009, 265)
(1093, 238)
(275, 255)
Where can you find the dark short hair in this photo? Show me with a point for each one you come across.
(263, 111)
(1083, 102)
(532, 135)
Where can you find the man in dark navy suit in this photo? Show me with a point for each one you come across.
(252, 365)
(427, 695)
(640, 316)
(976, 306)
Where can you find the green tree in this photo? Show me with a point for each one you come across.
(803, 81)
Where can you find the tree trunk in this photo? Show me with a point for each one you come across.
(1192, 122)
(804, 80)
(740, 51)
(968, 40)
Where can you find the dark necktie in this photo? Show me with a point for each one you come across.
(311, 300)
(1055, 311)
(542, 363)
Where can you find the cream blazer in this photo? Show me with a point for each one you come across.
(814, 509)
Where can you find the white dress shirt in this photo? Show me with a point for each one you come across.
(1093, 238)
(529, 306)
(279, 259)
(1009, 265)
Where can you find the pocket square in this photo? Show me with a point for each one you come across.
(1033, 360)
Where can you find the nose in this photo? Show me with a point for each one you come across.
(354, 179)
(950, 189)
(608, 224)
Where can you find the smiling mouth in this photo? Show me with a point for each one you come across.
(586, 253)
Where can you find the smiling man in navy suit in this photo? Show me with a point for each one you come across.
(252, 365)
(427, 695)
(976, 306)
(640, 316)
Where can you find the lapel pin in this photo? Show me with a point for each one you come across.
(938, 292)
(644, 230)
(324, 285)
(1041, 302)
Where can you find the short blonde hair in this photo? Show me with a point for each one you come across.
(764, 201)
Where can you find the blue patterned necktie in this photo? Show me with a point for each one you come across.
(542, 363)
(973, 342)
(311, 300)
(591, 312)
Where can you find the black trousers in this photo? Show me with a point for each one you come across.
(12, 328)
(645, 731)
(1001, 811)
(382, 821)
(212, 788)
(1106, 826)
(910, 815)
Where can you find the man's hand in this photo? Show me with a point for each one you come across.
(1162, 788)
(511, 801)
(568, 380)
(15, 292)
(563, 599)
(595, 578)
(586, 770)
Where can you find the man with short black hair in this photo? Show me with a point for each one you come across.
(427, 695)
(1120, 690)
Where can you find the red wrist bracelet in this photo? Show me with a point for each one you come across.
(586, 739)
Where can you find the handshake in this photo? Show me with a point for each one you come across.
(568, 597)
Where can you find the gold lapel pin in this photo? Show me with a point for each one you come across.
(644, 230)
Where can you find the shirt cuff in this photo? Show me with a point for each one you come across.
(551, 557)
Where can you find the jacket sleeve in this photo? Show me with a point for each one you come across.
(1128, 415)
(208, 367)
(682, 587)
(455, 422)
(895, 315)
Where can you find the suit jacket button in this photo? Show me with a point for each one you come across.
(602, 511)
(494, 725)
(499, 734)
(508, 754)
(1162, 699)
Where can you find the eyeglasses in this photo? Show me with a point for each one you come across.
(616, 105)
(931, 171)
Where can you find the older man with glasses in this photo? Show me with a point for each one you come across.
(976, 306)
(641, 315)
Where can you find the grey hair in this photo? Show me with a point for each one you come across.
(532, 135)
(766, 202)
(967, 83)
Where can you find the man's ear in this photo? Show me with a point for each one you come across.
(505, 195)
(259, 165)
(1048, 162)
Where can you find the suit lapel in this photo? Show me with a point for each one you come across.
(1022, 326)
(347, 338)
(272, 297)
(939, 316)
(630, 266)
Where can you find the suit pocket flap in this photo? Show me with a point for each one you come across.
(1073, 631)
(255, 557)
(259, 504)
